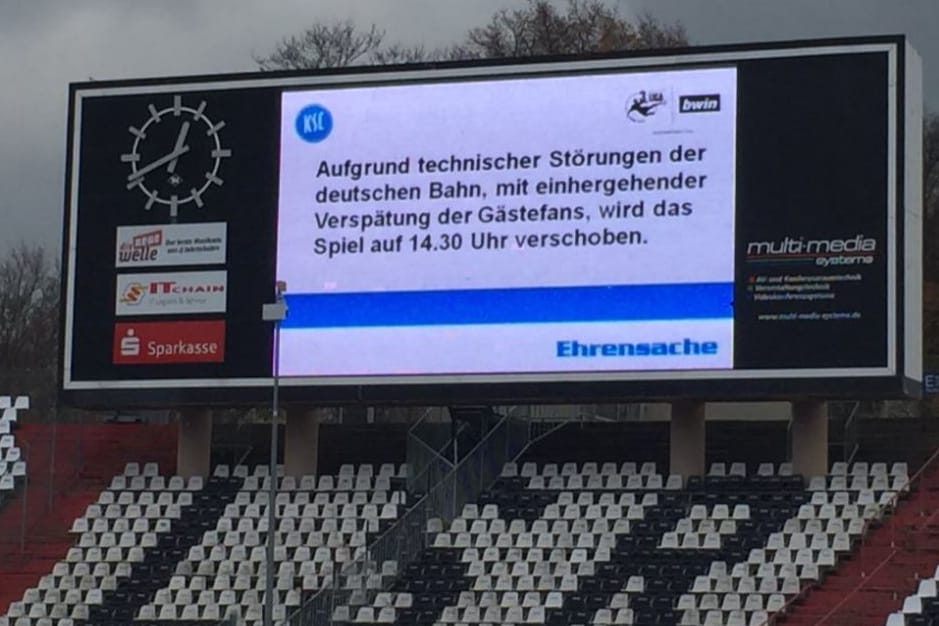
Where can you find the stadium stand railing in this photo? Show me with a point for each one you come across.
(356, 585)
(439, 438)
(427, 440)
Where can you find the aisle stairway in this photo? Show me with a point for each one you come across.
(888, 566)
(86, 457)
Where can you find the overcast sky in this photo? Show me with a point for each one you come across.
(45, 44)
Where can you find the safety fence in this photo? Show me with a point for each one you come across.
(373, 568)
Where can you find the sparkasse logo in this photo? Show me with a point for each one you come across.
(155, 343)
(705, 103)
(174, 293)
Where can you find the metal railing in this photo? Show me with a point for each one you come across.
(851, 428)
(426, 439)
(358, 581)
(26, 454)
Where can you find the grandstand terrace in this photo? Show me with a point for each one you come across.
(541, 521)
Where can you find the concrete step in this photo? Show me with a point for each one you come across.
(883, 570)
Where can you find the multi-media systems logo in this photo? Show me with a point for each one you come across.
(856, 250)
(159, 343)
(174, 293)
(174, 244)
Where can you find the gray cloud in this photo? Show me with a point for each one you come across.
(45, 44)
(733, 21)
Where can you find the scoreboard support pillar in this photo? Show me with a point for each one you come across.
(301, 443)
(194, 443)
(809, 434)
(687, 445)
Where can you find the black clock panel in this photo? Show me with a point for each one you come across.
(226, 173)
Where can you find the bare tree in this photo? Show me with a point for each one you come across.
(931, 233)
(931, 196)
(336, 44)
(539, 28)
(399, 53)
(582, 27)
(29, 324)
(931, 165)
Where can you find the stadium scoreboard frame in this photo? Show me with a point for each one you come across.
(732, 222)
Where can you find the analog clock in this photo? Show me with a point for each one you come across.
(176, 155)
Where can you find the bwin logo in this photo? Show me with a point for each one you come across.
(709, 103)
(314, 123)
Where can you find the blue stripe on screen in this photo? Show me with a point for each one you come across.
(511, 306)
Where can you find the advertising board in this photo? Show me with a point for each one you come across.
(170, 293)
(170, 244)
(164, 343)
(737, 222)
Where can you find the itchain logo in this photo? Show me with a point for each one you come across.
(173, 293)
(133, 294)
(856, 250)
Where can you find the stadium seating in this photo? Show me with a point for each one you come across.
(608, 543)
(12, 463)
(552, 543)
(156, 549)
(920, 608)
(322, 523)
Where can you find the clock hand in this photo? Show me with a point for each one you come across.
(180, 140)
(161, 161)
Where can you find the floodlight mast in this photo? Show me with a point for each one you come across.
(274, 312)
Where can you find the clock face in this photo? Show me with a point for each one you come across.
(175, 156)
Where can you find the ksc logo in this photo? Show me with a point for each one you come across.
(708, 103)
(643, 105)
(314, 123)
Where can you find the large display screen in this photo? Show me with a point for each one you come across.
(738, 222)
(576, 223)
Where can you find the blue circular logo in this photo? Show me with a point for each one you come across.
(314, 123)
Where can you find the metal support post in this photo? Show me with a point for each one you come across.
(275, 312)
